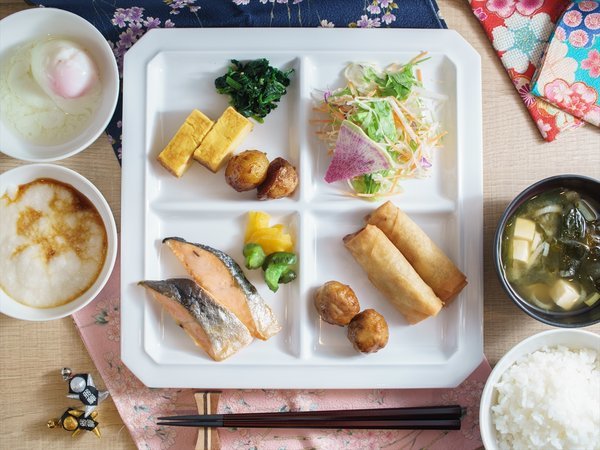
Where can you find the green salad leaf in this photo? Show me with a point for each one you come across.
(254, 87)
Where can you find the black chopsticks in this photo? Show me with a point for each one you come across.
(412, 418)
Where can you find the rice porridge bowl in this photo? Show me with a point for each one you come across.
(53, 243)
(549, 399)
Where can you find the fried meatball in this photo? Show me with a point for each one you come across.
(336, 303)
(247, 170)
(281, 180)
(368, 331)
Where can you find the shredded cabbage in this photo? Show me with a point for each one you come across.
(394, 109)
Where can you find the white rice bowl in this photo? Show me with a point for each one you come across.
(549, 399)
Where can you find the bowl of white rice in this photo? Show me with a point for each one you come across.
(544, 394)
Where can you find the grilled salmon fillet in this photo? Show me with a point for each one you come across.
(224, 279)
(212, 327)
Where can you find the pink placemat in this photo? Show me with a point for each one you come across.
(100, 326)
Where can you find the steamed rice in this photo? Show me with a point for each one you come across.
(550, 399)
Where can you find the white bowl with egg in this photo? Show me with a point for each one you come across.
(59, 84)
(14, 242)
(541, 419)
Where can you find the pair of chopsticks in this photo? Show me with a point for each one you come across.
(418, 418)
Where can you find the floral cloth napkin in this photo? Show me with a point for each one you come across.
(569, 75)
(519, 31)
(124, 22)
(99, 324)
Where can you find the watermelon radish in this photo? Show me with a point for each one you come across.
(355, 154)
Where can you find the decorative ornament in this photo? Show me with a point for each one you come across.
(75, 420)
(82, 388)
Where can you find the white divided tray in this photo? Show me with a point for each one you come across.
(170, 72)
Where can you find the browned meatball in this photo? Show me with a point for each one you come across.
(368, 331)
(247, 170)
(336, 303)
(281, 180)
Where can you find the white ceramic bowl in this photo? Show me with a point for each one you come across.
(28, 173)
(574, 339)
(33, 24)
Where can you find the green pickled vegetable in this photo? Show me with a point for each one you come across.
(278, 269)
(280, 258)
(288, 276)
(255, 256)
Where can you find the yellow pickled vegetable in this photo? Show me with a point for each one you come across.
(256, 221)
(271, 239)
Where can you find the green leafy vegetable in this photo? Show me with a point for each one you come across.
(573, 224)
(255, 256)
(395, 111)
(254, 88)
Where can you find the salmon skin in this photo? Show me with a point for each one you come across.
(224, 279)
(213, 328)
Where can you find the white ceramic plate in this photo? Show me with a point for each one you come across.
(35, 24)
(28, 173)
(170, 72)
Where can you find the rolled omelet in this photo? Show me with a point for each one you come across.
(392, 274)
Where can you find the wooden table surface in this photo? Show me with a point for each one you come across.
(32, 354)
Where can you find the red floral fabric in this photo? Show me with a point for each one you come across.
(519, 31)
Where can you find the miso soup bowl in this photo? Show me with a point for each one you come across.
(584, 185)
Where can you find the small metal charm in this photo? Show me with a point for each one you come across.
(74, 420)
(82, 388)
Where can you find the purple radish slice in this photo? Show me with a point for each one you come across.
(355, 154)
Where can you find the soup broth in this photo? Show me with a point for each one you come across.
(551, 251)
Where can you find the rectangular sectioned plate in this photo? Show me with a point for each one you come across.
(170, 72)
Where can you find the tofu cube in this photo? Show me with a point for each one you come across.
(524, 229)
(177, 155)
(564, 294)
(520, 250)
(227, 134)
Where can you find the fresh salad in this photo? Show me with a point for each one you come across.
(381, 127)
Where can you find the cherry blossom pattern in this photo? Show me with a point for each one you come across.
(543, 127)
(480, 13)
(324, 23)
(264, 2)
(578, 99)
(384, 9)
(467, 395)
(366, 22)
(178, 5)
(521, 40)
(506, 8)
(556, 64)
(592, 63)
(135, 26)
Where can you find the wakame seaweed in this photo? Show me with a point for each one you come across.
(254, 87)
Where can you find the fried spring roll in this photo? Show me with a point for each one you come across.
(392, 274)
(430, 262)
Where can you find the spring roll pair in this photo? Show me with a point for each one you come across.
(404, 264)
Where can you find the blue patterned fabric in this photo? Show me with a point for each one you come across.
(123, 22)
(569, 75)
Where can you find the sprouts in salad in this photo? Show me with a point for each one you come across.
(394, 109)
